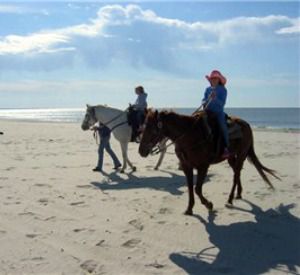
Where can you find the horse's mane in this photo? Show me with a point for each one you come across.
(106, 107)
(186, 118)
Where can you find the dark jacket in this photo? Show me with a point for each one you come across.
(103, 131)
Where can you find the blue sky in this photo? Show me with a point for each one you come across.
(67, 54)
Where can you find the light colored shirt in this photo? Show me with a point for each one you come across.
(141, 102)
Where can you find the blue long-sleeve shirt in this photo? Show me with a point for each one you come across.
(217, 104)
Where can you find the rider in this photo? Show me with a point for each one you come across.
(214, 100)
(141, 103)
(104, 134)
(139, 106)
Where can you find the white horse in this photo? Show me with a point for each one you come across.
(116, 120)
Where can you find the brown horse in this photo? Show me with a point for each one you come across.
(196, 150)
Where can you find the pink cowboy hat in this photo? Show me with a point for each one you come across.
(216, 74)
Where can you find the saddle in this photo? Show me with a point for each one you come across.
(135, 122)
(213, 131)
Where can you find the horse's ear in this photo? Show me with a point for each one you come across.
(87, 105)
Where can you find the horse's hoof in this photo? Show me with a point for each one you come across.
(188, 212)
(209, 206)
(230, 201)
(229, 205)
(122, 171)
(133, 169)
(156, 168)
(239, 197)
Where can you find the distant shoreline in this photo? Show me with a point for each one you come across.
(262, 119)
(254, 128)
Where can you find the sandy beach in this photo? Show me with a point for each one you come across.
(59, 217)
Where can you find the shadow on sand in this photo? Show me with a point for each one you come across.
(272, 242)
(170, 184)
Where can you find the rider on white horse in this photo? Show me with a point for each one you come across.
(139, 108)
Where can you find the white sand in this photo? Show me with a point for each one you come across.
(59, 217)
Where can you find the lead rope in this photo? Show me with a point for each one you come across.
(96, 136)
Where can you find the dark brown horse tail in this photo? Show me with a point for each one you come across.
(260, 168)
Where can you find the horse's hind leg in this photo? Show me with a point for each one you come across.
(124, 147)
(131, 165)
(190, 183)
(236, 165)
(124, 156)
(202, 172)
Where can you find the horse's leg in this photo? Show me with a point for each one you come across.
(188, 171)
(124, 147)
(162, 153)
(202, 172)
(236, 165)
(131, 165)
(124, 155)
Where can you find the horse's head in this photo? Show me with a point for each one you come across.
(89, 118)
(152, 133)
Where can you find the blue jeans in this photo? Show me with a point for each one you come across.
(223, 125)
(104, 144)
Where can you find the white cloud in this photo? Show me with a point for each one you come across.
(20, 9)
(35, 43)
(294, 29)
(141, 37)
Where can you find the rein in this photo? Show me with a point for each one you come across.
(158, 150)
(112, 120)
(203, 106)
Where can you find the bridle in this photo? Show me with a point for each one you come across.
(92, 115)
(156, 150)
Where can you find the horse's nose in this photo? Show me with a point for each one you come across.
(144, 152)
(84, 127)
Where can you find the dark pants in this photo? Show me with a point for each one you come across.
(104, 144)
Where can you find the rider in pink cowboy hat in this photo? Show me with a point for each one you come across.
(218, 75)
(214, 100)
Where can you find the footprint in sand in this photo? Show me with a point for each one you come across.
(43, 201)
(100, 243)
(131, 243)
(42, 185)
(79, 230)
(77, 203)
(86, 186)
(27, 213)
(31, 236)
(136, 224)
(155, 265)
(89, 266)
(164, 211)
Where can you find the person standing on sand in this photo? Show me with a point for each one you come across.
(214, 100)
(104, 134)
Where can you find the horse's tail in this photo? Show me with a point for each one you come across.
(260, 168)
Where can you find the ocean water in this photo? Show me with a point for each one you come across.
(272, 118)
(268, 118)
